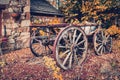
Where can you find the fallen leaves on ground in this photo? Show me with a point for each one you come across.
(22, 65)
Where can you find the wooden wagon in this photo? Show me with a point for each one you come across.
(68, 42)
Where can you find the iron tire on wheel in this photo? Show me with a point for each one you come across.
(70, 47)
(102, 42)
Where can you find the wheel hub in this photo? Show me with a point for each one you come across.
(104, 41)
(45, 42)
(73, 47)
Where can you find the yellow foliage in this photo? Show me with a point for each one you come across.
(2, 64)
(96, 2)
(76, 21)
(42, 33)
(92, 8)
(89, 9)
(51, 63)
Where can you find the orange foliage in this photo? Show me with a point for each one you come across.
(54, 21)
(113, 30)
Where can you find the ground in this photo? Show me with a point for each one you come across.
(22, 65)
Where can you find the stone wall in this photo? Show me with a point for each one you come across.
(16, 24)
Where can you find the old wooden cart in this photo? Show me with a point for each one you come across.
(69, 42)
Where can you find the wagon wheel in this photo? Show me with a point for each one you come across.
(70, 47)
(37, 47)
(102, 42)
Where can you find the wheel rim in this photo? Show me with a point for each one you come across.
(102, 43)
(36, 46)
(70, 47)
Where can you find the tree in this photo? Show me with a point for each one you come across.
(89, 9)
(71, 9)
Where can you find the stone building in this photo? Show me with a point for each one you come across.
(16, 17)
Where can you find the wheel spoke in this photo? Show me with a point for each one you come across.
(36, 48)
(98, 44)
(104, 49)
(108, 48)
(44, 50)
(62, 46)
(99, 35)
(66, 41)
(99, 48)
(82, 48)
(98, 40)
(74, 35)
(102, 34)
(75, 58)
(80, 42)
(36, 39)
(101, 51)
(108, 41)
(70, 61)
(70, 37)
(107, 37)
(61, 55)
(65, 60)
(107, 44)
(78, 38)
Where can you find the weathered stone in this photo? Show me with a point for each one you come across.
(11, 40)
(6, 32)
(25, 34)
(10, 9)
(27, 14)
(8, 25)
(25, 23)
(19, 44)
(26, 9)
(15, 25)
(26, 43)
(17, 28)
(15, 34)
(24, 38)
